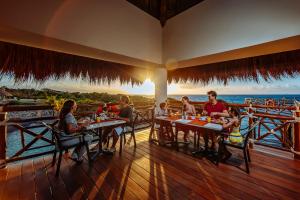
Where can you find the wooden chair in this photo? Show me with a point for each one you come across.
(127, 129)
(59, 139)
(243, 146)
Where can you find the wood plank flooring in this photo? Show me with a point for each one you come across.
(154, 172)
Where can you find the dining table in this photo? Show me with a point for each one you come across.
(99, 127)
(197, 125)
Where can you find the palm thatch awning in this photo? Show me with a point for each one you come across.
(29, 63)
(278, 65)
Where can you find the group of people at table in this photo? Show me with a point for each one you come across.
(230, 119)
(216, 110)
(69, 125)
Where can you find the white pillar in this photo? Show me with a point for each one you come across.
(161, 83)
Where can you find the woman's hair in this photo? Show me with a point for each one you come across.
(125, 99)
(67, 107)
(235, 111)
(185, 98)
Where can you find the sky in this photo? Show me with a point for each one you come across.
(284, 86)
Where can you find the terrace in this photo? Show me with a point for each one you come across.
(54, 40)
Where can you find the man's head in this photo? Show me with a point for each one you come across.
(212, 96)
(124, 100)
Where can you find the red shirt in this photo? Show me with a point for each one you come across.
(219, 107)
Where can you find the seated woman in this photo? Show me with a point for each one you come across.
(68, 124)
(125, 114)
(162, 110)
(233, 127)
(189, 109)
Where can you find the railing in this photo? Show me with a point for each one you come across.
(29, 130)
(276, 123)
(32, 138)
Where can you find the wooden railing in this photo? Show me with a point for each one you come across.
(34, 138)
(276, 122)
(282, 127)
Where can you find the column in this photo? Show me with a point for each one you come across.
(161, 83)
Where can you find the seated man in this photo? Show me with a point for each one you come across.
(68, 124)
(216, 109)
(125, 114)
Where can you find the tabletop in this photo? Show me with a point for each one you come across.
(105, 123)
(193, 122)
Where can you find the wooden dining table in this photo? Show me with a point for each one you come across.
(99, 126)
(196, 125)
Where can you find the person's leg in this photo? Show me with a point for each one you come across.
(81, 149)
(105, 134)
(205, 137)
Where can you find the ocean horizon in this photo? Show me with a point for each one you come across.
(239, 98)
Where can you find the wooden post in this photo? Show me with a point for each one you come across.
(3, 133)
(250, 124)
(297, 135)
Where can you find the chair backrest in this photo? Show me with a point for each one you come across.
(55, 132)
(249, 131)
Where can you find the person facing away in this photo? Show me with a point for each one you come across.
(188, 108)
(126, 114)
(162, 110)
(233, 127)
(213, 107)
(68, 124)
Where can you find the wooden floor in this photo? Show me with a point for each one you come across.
(152, 172)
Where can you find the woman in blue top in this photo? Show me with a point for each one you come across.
(68, 124)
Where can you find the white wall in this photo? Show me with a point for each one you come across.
(112, 25)
(215, 26)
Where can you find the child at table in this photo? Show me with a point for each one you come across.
(233, 128)
(162, 110)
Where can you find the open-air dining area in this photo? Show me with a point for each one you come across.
(76, 143)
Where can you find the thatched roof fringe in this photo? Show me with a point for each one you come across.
(28, 62)
(278, 65)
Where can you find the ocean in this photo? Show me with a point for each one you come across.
(238, 98)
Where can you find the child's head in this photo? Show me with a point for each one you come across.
(163, 106)
(234, 112)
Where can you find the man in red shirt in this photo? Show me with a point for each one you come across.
(215, 109)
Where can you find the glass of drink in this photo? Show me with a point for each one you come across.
(208, 119)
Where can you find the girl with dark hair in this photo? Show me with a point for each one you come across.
(68, 124)
(233, 127)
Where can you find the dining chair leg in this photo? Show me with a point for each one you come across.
(195, 140)
(121, 144)
(248, 153)
(88, 152)
(58, 163)
(133, 136)
(54, 157)
(246, 161)
(124, 135)
(176, 139)
(198, 140)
